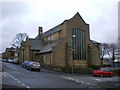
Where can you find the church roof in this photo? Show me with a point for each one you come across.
(36, 44)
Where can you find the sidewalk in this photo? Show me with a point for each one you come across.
(63, 73)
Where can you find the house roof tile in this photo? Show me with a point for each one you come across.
(48, 47)
(51, 31)
(36, 44)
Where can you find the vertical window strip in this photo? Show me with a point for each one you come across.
(72, 45)
(78, 44)
(81, 42)
(73, 42)
(85, 44)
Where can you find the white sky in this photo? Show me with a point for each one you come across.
(27, 15)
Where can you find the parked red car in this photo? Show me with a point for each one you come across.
(102, 72)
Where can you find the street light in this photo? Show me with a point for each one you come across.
(73, 36)
(23, 53)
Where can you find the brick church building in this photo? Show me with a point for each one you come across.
(66, 46)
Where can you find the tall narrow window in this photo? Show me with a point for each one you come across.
(78, 44)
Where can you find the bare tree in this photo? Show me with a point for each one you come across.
(112, 51)
(16, 42)
(103, 51)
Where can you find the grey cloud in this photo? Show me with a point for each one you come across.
(105, 28)
(13, 9)
(15, 17)
(12, 22)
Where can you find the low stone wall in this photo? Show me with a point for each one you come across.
(116, 71)
(68, 69)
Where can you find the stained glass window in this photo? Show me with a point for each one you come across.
(78, 44)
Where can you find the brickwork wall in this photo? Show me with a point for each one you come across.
(47, 58)
(94, 55)
(59, 54)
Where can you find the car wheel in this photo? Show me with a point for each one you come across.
(38, 70)
(27, 68)
(30, 69)
(111, 75)
(101, 75)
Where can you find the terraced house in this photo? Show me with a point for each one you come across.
(66, 46)
(10, 53)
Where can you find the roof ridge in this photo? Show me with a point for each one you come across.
(53, 28)
(79, 16)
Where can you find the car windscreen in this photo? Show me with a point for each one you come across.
(106, 70)
(97, 69)
(36, 64)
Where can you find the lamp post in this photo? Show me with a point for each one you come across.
(69, 56)
(23, 53)
(72, 51)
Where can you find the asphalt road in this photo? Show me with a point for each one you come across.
(14, 76)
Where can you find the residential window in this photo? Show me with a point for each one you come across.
(44, 58)
(52, 37)
(78, 44)
(49, 38)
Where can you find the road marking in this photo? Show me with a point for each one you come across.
(4, 74)
(108, 79)
(76, 80)
(103, 79)
(117, 84)
(97, 79)
(17, 80)
(98, 87)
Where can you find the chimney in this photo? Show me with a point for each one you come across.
(40, 32)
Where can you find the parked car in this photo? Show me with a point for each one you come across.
(4, 60)
(34, 66)
(15, 61)
(10, 60)
(25, 63)
(0, 59)
(102, 72)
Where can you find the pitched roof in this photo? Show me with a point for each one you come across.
(77, 14)
(51, 31)
(57, 28)
(36, 44)
(48, 47)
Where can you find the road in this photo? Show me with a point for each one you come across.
(14, 76)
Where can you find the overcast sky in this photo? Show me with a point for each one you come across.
(27, 15)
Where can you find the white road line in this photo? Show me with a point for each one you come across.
(103, 79)
(78, 81)
(97, 79)
(108, 79)
(17, 80)
(23, 84)
(4, 74)
(117, 84)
